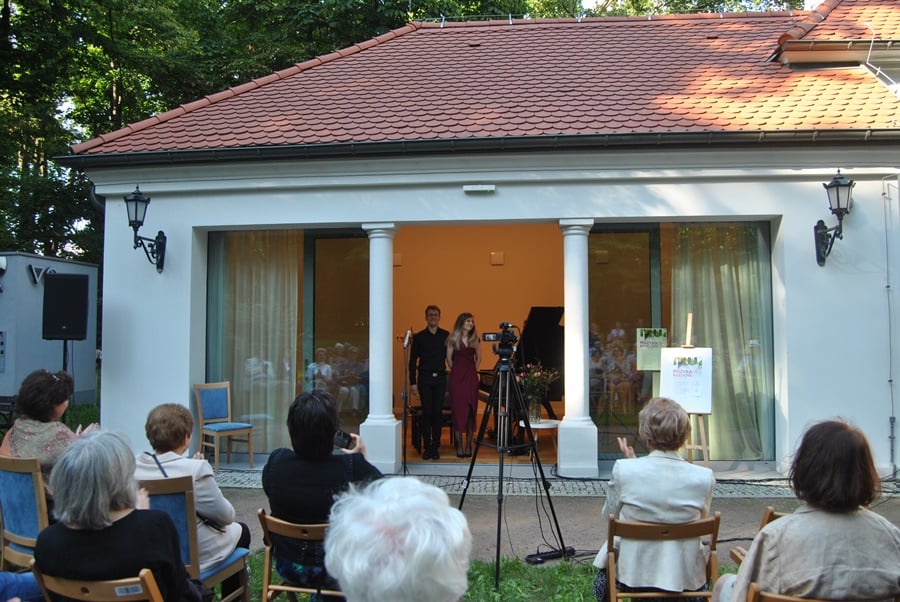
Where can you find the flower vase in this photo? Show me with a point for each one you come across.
(534, 409)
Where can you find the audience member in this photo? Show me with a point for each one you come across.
(301, 483)
(37, 431)
(398, 539)
(104, 529)
(15, 587)
(318, 373)
(661, 487)
(169, 428)
(832, 546)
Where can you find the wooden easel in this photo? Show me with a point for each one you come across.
(690, 447)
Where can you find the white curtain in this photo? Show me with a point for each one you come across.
(254, 298)
(721, 274)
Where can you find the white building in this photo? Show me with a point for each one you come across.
(627, 170)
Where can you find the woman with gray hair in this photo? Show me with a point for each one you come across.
(398, 539)
(105, 529)
(661, 487)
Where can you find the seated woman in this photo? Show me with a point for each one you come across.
(37, 432)
(832, 546)
(169, 428)
(301, 483)
(661, 487)
(100, 533)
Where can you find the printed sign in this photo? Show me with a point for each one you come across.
(686, 377)
(650, 341)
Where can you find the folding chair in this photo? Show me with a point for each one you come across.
(214, 414)
(768, 516)
(755, 594)
(23, 507)
(704, 527)
(275, 526)
(175, 497)
(142, 587)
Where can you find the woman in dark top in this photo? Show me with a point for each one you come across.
(301, 483)
(103, 529)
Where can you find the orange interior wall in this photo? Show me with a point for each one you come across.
(451, 267)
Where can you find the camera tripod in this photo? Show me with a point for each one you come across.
(507, 404)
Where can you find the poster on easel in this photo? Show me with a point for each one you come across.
(650, 341)
(686, 377)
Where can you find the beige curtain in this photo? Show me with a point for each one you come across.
(258, 303)
(721, 274)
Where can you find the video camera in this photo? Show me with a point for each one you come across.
(505, 340)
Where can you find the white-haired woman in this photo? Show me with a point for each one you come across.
(417, 546)
(103, 529)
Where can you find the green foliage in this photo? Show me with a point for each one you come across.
(82, 414)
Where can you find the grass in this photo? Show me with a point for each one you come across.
(519, 582)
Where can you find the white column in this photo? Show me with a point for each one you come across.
(381, 429)
(577, 454)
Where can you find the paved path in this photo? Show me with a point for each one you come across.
(525, 518)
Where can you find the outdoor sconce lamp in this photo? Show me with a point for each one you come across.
(155, 248)
(840, 200)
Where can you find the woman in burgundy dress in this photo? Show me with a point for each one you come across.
(463, 357)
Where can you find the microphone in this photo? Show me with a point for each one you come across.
(408, 336)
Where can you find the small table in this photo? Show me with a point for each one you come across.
(544, 424)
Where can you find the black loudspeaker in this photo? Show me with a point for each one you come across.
(65, 307)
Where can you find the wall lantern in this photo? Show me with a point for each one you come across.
(155, 248)
(840, 201)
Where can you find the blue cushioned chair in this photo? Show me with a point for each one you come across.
(214, 412)
(175, 497)
(23, 507)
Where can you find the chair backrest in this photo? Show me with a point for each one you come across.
(271, 525)
(737, 554)
(213, 402)
(769, 515)
(175, 497)
(275, 526)
(23, 507)
(700, 528)
(755, 594)
(142, 587)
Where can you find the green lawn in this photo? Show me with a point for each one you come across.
(519, 582)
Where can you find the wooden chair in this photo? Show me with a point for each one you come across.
(23, 508)
(755, 594)
(275, 526)
(142, 587)
(704, 527)
(768, 516)
(175, 497)
(214, 414)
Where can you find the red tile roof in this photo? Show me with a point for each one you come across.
(688, 74)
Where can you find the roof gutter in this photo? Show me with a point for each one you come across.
(597, 142)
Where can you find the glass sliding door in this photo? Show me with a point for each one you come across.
(274, 298)
(654, 276)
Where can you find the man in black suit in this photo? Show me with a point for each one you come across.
(428, 379)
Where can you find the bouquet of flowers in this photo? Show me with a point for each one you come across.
(535, 381)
